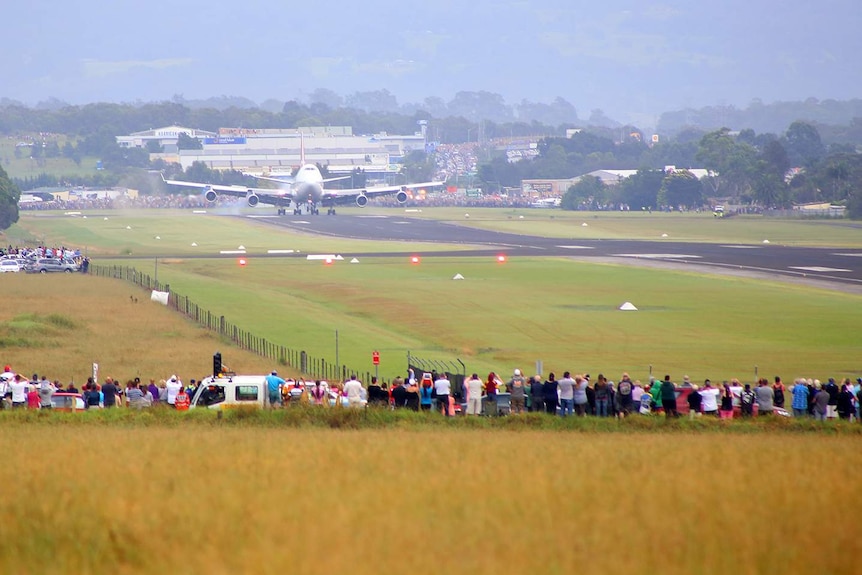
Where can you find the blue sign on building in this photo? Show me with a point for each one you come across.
(224, 140)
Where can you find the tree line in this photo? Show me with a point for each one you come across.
(749, 167)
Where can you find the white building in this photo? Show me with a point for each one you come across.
(165, 137)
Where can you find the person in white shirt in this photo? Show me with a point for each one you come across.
(173, 386)
(710, 398)
(443, 388)
(354, 390)
(19, 388)
(474, 387)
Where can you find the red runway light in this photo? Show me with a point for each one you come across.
(414, 260)
(242, 262)
(501, 258)
(328, 261)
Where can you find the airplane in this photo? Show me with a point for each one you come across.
(304, 188)
(547, 203)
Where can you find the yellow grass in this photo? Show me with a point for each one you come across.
(99, 322)
(231, 500)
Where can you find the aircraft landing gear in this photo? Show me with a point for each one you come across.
(330, 212)
(282, 211)
(296, 211)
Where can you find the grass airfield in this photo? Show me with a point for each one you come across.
(502, 316)
(258, 494)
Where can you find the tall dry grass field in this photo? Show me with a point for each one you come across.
(206, 498)
(59, 324)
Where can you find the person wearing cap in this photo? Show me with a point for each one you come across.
(4, 389)
(517, 389)
(274, 385)
(173, 385)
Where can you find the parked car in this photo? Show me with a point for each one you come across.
(48, 265)
(63, 401)
(9, 266)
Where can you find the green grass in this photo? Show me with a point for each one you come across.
(551, 309)
(158, 232)
(555, 310)
(25, 167)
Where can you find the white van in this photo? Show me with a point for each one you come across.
(233, 391)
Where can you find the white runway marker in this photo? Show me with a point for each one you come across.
(818, 269)
(576, 247)
(659, 256)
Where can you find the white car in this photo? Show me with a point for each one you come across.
(9, 266)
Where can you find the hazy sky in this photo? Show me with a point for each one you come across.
(633, 59)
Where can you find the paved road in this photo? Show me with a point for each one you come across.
(830, 267)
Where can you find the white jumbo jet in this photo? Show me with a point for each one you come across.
(305, 188)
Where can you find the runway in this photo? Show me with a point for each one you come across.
(830, 268)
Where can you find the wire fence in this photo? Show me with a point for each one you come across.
(307, 365)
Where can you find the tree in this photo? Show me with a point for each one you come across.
(641, 190)
(186, 142)
(803, 144)
(681, 188)
(9, 196)
(588, 193)
(734, 163)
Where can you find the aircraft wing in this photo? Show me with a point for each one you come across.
(351, 195)
(253, 196)
(280, 180)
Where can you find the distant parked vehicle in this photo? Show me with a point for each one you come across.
(63, 401)
(9, 266)
(49, 265)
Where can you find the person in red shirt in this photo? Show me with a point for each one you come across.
(33, 401)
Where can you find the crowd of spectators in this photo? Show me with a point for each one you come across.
(570, 395)
(20, 392)
(578, 394)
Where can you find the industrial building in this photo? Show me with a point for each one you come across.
(269, 151)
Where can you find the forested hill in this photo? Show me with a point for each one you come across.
(772, 118)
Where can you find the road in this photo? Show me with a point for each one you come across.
(831, 268)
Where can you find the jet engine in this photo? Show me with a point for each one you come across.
(401, 196)
(210, 194)
(251, 199)
(361, 200)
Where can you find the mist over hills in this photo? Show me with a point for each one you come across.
(623, 60)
